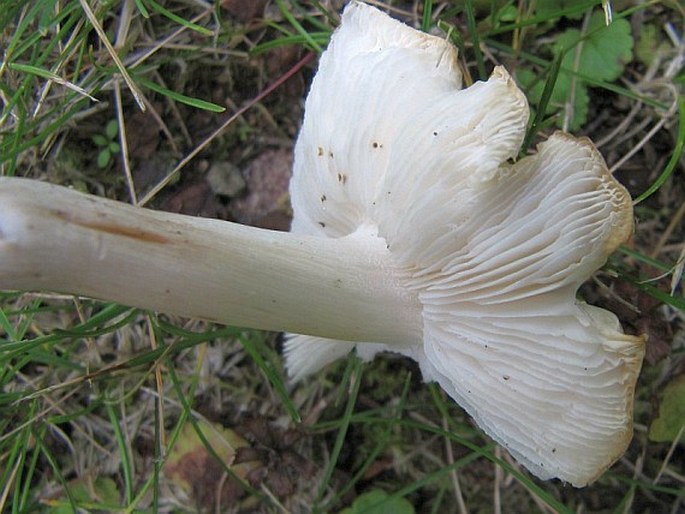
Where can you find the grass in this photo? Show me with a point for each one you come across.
(95, 397)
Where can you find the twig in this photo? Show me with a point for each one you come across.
(669, 454)
(282, 79)
(656, 128)
(123, 144)
(461, 505)
(497, 488)
(675, 222)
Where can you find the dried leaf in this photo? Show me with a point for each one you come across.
(192, 467)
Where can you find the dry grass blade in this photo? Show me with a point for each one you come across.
(135, 91)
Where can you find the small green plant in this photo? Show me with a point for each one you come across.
(378, 502)
(85, 493)
(107, 143)
(669, 426)
(598, 53)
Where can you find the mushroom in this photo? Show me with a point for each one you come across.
(415, 231)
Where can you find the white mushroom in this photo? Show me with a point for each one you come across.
(413, 232)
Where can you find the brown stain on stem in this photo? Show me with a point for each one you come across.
(113, 228)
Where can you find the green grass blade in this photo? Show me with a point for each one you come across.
(160, 454)
(675, 156)
(26, 490)
(646, 259)
(677, 302)
(344, 424)
(183, 398)
(426, 19)
(430, 478)
(298, 26)
(126, 458)
(7, 327)
(14, 457)
(321, 39)
(381, 444)
(475, 38)
(545, 64)
(541, 108)
(273, 376)
(438, 397)
(330, 18)
(178, 19)
(178, 97)
(142, 9)
(568, 9)
(39, 438)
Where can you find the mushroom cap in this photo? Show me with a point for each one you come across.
(495, 249)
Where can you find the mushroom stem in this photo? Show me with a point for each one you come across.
(53, 238)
